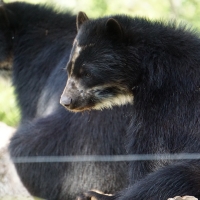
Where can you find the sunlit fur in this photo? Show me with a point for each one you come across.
(75, 56)
(118, 100)
(109, 100)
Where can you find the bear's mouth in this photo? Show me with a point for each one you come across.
(79, 109)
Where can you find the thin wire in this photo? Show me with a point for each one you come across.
(106, 158)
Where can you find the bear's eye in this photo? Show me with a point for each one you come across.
(87, 75)
(84, 71)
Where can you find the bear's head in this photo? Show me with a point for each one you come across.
(97, 68)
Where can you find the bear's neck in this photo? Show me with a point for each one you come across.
(168, 91)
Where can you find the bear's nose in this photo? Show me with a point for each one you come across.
(65, 101)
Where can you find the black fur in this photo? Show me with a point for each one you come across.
(6, 37)
(41, 48)
(159, 65)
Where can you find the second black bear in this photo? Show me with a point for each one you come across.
(155, 66)
(39, 43)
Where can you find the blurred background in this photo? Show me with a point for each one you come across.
(187, 11)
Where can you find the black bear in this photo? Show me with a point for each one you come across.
(39, 43)
(155, 66)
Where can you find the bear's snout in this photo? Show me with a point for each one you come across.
(65, 101)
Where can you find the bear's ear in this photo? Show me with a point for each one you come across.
(80, 19)
(114, 28)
